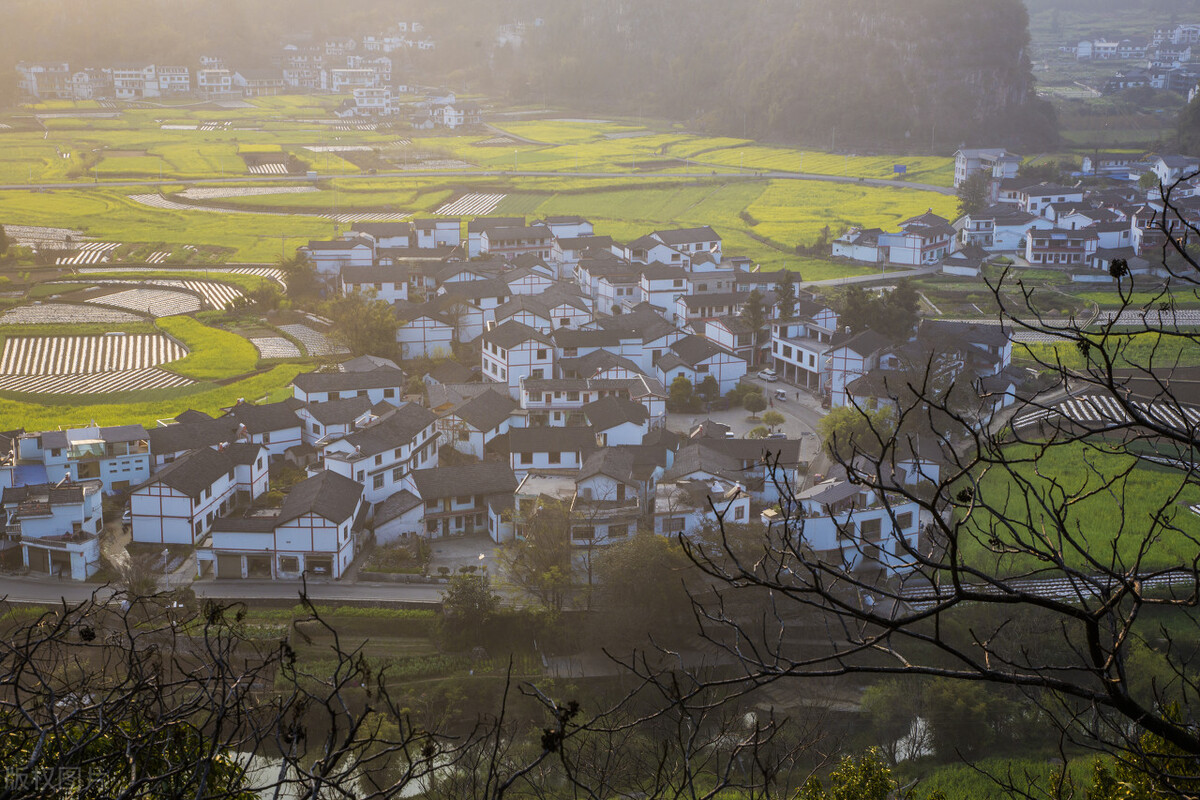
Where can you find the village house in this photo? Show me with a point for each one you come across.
(190, 430)
(550, 450)
(275, 426)
(476, 422)
(311, 533)
(388, 283)
(455, 500)
(800, 348)
(329, 258)
(1058, 247)
(508, 243)
(382, 385)
(117, 456)
(383, 454)
(179, 503)
(851, 357)
(996, 161)
(695, 358)
(617, 421)
(53, 528)
(688, 507)
(513, 352)
(324, 422)
(424, 332)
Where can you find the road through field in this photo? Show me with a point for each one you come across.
(655, 177)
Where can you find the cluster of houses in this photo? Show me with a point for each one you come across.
(575, 340)
(364, 67)
(1167, 56)
(1077, 228)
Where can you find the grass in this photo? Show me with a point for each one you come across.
(47, 412)
(1143, 350)
(213, 354)
(1112, 523)
(971, 781)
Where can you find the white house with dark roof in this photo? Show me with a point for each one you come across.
(473, 423)
(569, 226)
(1041, 198)
(477, 226)
(528, 281)
(800, 347)
(855, 526)
(692, 241)
(383, 454)
(689, 506)
(385, 235)
(386, 282)
(550, 449)
(169, 442)
(851, 357)
(329, 258)
(385, 385)
(659, 285)
(275, 426)
(324, 422)
(424, 332)
(996, 161)
(695, 358)
(921, 240)
(508, 243)
(312, 533)
(179, 503)
(53, 529)
(617, 421)
(513, 352)
(455, 499)
(434, 233)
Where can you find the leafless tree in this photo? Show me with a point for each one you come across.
(1077, 587)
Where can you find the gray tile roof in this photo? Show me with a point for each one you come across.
(326, 494)
(488, 477)
(543, 439)
(609, 412)
(485, 411)
(191, 474)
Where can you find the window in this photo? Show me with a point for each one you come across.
(572, 396)
(564, 322)
(673, 525)
(870, 528)
(740, 514)
(377, 482)
(431, 526)
(199, 528)
(526, 458)
(556, 458)
(267, 437)
(463, 501)
(208, 493)
(379, 459)
(583, 533)
(677, 284)
(360, 476)
(289, 564)
(432, 505)
(703, 368)
(904, 521)
(398, 474)
(316, 428)
(541, 354)
(389, 392)
(618, 531)
(463, 436)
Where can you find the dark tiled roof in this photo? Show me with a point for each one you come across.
(376, 273)
(701, 457)
(687, 236)
(480, 224)
(552, 440)
(397, 428)
(193, 473)
(348, 381)
(325, 494)
(488, 477)
(265, 418)
(451, 372)
(190, 435)
(614, 462)
(399, 503)
(608, 412)
(511, 334)
(339, 412)
(693, 350)
(124, 433)
(485, 411)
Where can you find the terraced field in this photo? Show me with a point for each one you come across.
(276, 347)
(155, 302)
(85, 355)
(65, 314)
(315, 342)
(102, 383)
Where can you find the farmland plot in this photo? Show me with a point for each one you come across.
(276, 347)
(89, 253)
(86, 355)
(316, 343)
(65, 313)
(155, 302)
(99, 383)
(471, 204)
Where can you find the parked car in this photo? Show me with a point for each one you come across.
(777, 435)
(768, 375)
(781, 394)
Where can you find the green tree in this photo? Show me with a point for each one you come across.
(758, 432)
(3, 242)
(640, 586)
(974, 193)
(708, 388)
(773, 419)
(1155, 769)
(847, 431)
(300, 275)
(468, 604)
(754, 403)
(855, 309)
(785, 295)
(754, 314)
(865, 778)
(538, 560)
(681, 396)
(365, 325)
(896, 313)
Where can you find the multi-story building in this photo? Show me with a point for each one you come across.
(53, 528)
(117, 456)
(381, 455)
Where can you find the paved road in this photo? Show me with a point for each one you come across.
(653, 177)
(53, 591)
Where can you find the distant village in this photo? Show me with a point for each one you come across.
(1169, 61)
(365, 68)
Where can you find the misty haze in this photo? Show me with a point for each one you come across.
(607, 399)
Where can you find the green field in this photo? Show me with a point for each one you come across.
(213, 354)
(1111, 522)
(48, 412)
